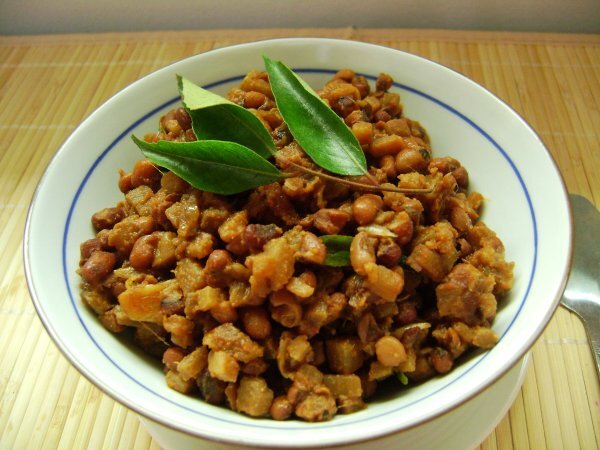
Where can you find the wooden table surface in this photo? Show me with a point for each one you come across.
(48, 84)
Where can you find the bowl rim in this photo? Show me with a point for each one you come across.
(104, 387)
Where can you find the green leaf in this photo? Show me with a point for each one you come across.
(214, 166)
(216, 118)
(402, 378)
(338, 250)
(317, 128)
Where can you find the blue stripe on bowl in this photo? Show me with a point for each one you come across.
(127, 132)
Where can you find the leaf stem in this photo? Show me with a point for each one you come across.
(355, 184)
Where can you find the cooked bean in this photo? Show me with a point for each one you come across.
(409, 160)
(441, 360)
(173, 183)
(388, 252)
(254, 99)
(256, 322)
(97, 266)
(366, 207)
(125, 183)
(390, 351)
(303, 286)
(345, 74)
(384, 282)
(88, 247)
(362, 252)
(218, 260)
(312, 249)
(388, 166)
(142, 253)
(285, 309)
(172, 356)
(281, 408)
(145, 173)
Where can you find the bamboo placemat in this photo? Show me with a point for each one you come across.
(48, 84)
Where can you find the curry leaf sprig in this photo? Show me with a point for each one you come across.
(232, 148)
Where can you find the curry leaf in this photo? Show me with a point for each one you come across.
(338, 249)
(215, 166)
(216, 118)
(317, 128)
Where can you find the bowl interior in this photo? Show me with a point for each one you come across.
(525, 204)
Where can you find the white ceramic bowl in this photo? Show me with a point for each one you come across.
(526, 205)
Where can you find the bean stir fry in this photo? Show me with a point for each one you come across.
(237, 294)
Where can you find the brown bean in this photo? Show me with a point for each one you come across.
(172, 127)
(285, 308)
(365, 208)
(407, 313)
(142, 253)
(145, 173)
(304, 285)
(388, 165)
(173, 183)
(98, 266)
(256, 322)
(218, 260)
(258, 85)
(461, 176)
(384, 282)
(345, 74)
(254, 99)
(362, 252)
(281, 408)
(182, 116)
(390, 351)
(125, 184)
(402, 225)
(88, 247)
(312, 249)
(172, 356)
(410, 160)
(441, 360)
(388, 252)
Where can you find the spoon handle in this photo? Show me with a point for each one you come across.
(589, 313)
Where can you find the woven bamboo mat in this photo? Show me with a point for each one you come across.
(48, 84)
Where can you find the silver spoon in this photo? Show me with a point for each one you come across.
(582, 294)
